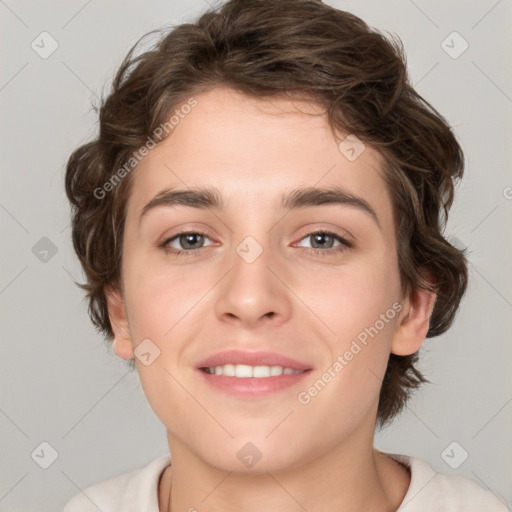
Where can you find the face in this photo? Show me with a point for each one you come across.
(270, 278)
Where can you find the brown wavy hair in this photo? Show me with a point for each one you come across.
(269, 48)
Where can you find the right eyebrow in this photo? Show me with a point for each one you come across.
(203, 198)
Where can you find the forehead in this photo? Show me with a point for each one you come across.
(254, 150)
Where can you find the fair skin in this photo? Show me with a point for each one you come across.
(317, 456)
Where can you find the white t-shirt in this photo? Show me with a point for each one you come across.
(429, 491)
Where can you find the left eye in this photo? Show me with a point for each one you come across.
(325, 240)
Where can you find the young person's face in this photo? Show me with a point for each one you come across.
(252, 284)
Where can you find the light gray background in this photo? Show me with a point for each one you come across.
(60, 383)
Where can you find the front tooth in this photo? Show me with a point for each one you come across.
(261, 371)
(243, 370)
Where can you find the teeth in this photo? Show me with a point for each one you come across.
(228, 370)
(244, 371)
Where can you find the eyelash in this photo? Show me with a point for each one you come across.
(345, 244)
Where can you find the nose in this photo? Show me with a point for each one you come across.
(254, 292)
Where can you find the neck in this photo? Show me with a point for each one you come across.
(342, 480)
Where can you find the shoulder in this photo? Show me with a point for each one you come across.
(430, 490)
(135, 491)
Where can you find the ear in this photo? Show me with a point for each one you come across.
(413, 323)
(119, 321)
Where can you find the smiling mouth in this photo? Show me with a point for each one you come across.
(244, 371)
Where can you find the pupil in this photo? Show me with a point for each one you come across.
(320, 237)
(189, 239)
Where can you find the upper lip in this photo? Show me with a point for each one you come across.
(259, 358)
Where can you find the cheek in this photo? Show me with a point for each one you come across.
(350, 299)
(348, 385)
(161, 307)
(159, 298)
(360, 305)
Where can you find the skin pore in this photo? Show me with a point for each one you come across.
(306, 305)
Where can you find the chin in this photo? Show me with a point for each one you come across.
(253, 455)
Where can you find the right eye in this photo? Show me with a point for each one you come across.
(189, 240)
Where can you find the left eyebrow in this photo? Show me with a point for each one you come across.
(313, 196)
(211, 198)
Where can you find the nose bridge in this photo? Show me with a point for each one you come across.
(252, 235)
(251, 249)
(251, 290)
(253, 256)
(255, 242)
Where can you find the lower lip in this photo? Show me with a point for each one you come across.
(250, 386)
